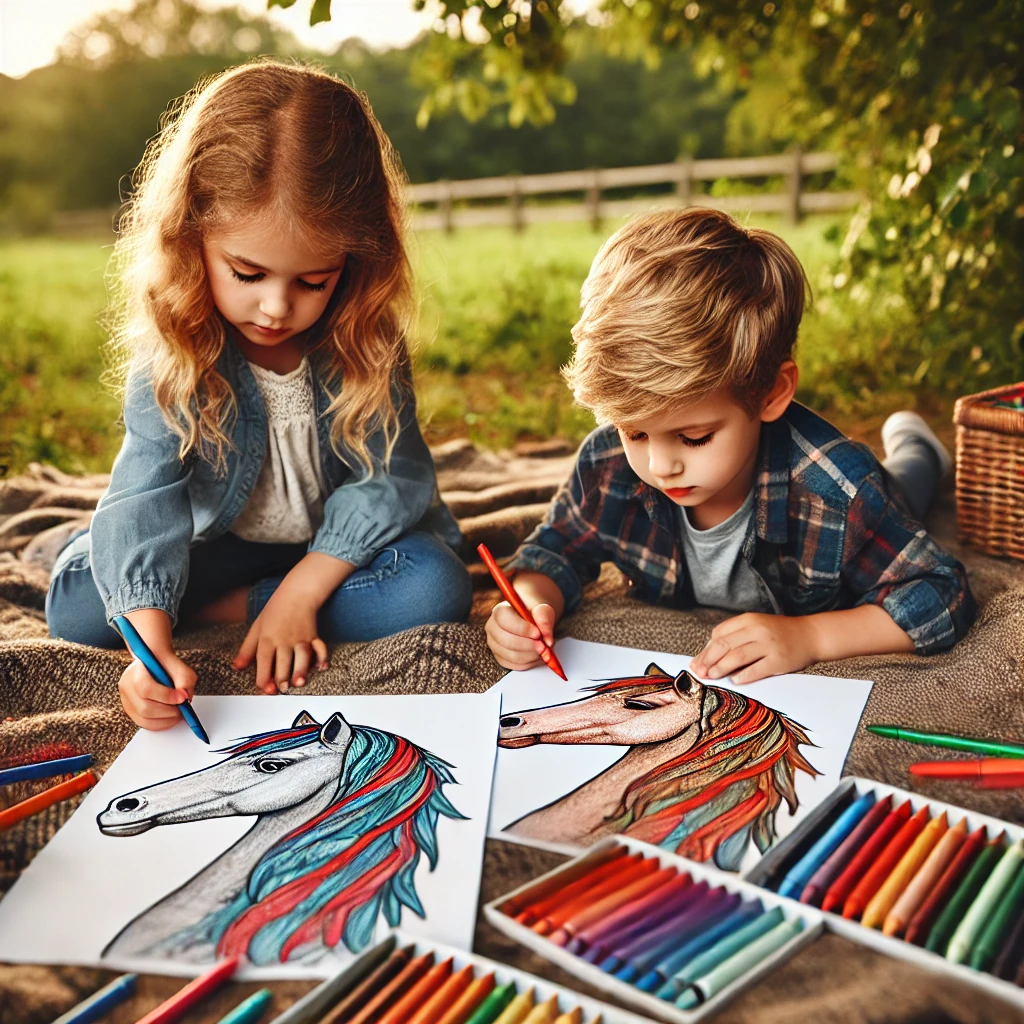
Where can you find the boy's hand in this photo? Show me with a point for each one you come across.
(283, 640)
(516, 643)
(760, 645)
(146, 702)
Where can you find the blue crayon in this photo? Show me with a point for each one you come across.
(719, 953)
(45, 769)
(669, 940)
(249, 1010)
(800, 874)
(599, 950)
(100, 1003)
(656, 976)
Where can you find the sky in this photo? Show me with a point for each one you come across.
(30, 30)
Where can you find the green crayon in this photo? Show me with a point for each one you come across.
(990, 748)
(980, 911)
(739, 964)
(491, 1008)
(952, 915)
(994, 934)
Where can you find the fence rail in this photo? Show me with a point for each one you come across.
(442, 197)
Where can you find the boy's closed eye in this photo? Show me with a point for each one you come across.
(692, 442)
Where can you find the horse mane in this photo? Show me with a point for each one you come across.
(330, 878)
(726, 789)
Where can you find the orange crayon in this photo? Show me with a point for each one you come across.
(594, 912)
(382, 996)
(533, 912)
(476, 992)
(841, 888)
(557, 917)
(917, 890)
(882, 868)
(574, 1016)
(438, 1004)
(34, 804)
(906, 867)
(421, 991)
(519, 904)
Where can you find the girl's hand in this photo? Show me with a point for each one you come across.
(760, 645)
(146, 702)
(516, 643)
(284, 641)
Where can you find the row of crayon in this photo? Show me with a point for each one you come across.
(422, 988)
(915, 876)
(655, 927)
(49, 768)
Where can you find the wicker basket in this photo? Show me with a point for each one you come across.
(990, 470)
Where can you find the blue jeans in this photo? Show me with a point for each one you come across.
(915, 468)
(415, 581)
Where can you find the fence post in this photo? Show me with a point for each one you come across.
(444, 206)
(515, 202)
(795, 183)
(684, 180)
(594, 200)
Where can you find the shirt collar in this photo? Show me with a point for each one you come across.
(771, 485)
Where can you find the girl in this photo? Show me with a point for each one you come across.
(272, 470)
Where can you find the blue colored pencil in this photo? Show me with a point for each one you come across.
(249, 1010)
(100, 1003)
(800, 874)
(45, 769)
(658, 974)
(139, 648)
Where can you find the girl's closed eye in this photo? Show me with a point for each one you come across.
(247, 278)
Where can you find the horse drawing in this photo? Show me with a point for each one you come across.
(706, 770)
(343, 815)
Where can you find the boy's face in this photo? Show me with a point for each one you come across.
(703, 452)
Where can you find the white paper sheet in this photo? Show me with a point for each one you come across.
(84, 887)
(533, 777)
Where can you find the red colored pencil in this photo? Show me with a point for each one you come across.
(969, 769)
(187, 997)
(921, 923)
(72, 787)
(510, 595)
(841, 888)
(872, 881)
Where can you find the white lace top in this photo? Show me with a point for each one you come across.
(287, 502)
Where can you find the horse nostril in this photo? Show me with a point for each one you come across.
(129, 803)
(511, 721)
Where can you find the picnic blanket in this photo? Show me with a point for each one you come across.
(55, 692)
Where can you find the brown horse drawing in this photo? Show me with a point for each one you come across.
(706, 770)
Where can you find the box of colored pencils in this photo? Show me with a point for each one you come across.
(404, 980)
(915, 878)
(673, 939)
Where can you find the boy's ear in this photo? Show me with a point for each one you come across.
(776, 402)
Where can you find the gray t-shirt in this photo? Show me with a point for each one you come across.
(721, 575)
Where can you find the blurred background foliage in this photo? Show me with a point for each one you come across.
(918, 292)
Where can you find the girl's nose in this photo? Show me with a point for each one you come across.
(274, 305)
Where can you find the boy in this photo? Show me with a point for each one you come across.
(708, 485)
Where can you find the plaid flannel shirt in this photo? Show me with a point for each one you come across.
(827, 532)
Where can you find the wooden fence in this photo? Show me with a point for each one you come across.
(474, 202)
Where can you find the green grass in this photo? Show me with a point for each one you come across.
(494, 330)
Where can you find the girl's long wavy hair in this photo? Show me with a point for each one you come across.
(265, 139)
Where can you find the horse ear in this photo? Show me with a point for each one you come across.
(653, 670)
(304, 718)
(336, 732)
(684, 684)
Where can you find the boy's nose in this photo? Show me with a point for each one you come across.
(665, 465)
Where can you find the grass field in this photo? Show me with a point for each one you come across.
(494, 329)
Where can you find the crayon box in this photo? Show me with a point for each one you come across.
(848, 790)
(621, 991)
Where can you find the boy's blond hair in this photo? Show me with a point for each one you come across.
(678, 304)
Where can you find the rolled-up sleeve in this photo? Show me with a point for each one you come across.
(367, 512)
(890, 560)
(142, 528)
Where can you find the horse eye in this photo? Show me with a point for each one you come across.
(271, 764)
(638, 705)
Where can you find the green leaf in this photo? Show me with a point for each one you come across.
(280, 3)
(320, 11)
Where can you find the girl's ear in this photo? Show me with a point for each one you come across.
(776, 402)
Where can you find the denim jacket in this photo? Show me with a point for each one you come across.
(158, 506)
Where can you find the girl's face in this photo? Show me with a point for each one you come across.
(266, 281)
